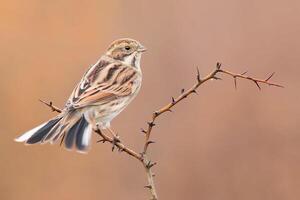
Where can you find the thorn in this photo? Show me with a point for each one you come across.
(151, 124)
(98, 130)
(244, 73)
(218, 66)
(50, 104)
(156, 113)
(182, 90)
(47, 104)
(198, 75)
(149, 164)
(169, 110)
(150, 142)
(257, 85)
(152, 165)
(194, 91)
(148, 187)
(235, 85)
(216, 78)
(143, 130)
(173, 100)
(270, 76)
(102, 140)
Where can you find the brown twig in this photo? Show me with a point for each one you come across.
(119, 145)
(185, 94)
(254, 80)
(143, 157)
(50, 104)
(147, 164)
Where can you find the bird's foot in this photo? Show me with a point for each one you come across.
(116, 140)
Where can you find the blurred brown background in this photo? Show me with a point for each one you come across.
(222, 144)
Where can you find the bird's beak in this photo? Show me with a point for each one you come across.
(142, 49)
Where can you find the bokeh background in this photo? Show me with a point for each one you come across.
(222, 144)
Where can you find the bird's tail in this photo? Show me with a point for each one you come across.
(71, 127)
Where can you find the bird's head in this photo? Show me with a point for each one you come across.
(126, 50)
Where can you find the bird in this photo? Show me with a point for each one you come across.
(105, 89)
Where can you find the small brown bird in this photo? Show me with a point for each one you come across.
(103, 92)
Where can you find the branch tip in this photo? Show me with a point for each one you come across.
(50, 104)
(270, 77)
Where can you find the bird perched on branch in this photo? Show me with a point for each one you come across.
(103, 92)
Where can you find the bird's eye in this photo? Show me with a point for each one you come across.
(127, 48)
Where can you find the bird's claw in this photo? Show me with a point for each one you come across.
(116, 139)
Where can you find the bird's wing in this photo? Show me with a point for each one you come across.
(103, 82)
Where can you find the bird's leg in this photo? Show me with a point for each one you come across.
(99, 132)
(116, 138)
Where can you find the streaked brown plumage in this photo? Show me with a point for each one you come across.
(103, 92)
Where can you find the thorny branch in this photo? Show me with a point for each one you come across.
(50, 104)
(143, 157)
